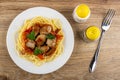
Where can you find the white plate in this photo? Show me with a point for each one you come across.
(47, 67)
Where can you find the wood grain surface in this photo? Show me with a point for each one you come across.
(108, 66)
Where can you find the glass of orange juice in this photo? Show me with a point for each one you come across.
(81, 13)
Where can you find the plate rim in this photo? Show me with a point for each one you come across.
(34, 16)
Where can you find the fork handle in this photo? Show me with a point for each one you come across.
(95, 57)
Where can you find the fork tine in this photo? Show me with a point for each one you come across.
(108, 18)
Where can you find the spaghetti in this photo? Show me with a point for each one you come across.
(40, 40)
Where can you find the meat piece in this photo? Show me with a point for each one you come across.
(51, 42)
(45, 30)
(30, 44)
(36, 29)
(40, 40)
(50, 52)
(45, 48)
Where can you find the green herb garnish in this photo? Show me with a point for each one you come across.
(37, 51)
(31, 36)
(50, 36)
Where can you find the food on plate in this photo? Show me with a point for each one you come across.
(40, 40)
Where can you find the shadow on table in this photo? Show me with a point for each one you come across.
(3, 77)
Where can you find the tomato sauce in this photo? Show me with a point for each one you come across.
(31, 51)
(24, 40)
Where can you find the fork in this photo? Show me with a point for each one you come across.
(105, 26)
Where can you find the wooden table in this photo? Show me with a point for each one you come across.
(108, 66)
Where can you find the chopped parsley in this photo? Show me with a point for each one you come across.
(50, 36)
(37, 51)
(31, 35)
